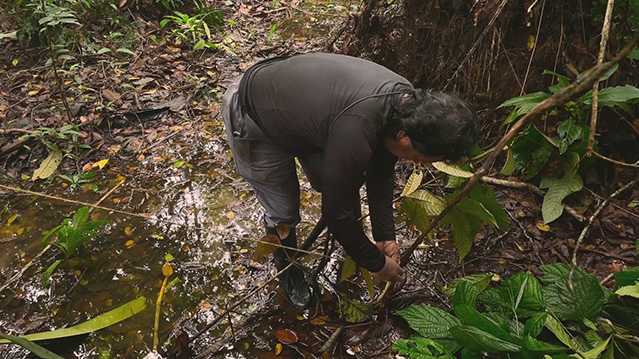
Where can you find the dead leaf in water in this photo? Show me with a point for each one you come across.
(278, 349)
(286, 336)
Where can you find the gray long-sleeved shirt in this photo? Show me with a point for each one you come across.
(337, 105)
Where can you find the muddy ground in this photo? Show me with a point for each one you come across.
(155, 116)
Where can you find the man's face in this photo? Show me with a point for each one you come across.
(402, 147)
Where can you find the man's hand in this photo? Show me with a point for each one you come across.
(390, 249)
(391, 272)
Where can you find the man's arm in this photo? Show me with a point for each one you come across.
(379, 187)
(346, 156)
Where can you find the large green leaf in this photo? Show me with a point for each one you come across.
(521, 105)
(479, 340)
(487, 197)
(536, 345)
(354, 311)
(104, 320)
(432, 204)
(472, 317)
(420, 206)
(595, 352)
(465, 294)
(572, 294)
(474, 208)
(535, 324)
(428, 321)
(523, 295)
(614, 96)
(464, 227)
(627, 277)
(531, 151)
(531, 98)
(629, 290)
(32, 347)
(569, 132)
(422, 348)
(562, 334)
(481, 281)
(558, 190)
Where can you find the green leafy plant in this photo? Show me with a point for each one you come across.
(71, 235)
(564, 314)
(563, 146)
(195, 29)
(78, 179)
(465, 219)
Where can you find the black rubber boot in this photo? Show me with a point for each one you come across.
(292, 281)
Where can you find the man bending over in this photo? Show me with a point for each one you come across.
(347, 121)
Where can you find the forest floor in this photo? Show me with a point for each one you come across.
(155, 115)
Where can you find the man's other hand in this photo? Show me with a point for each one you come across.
(391, 272)
(390, 249)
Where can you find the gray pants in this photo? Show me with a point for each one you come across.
(267, 167)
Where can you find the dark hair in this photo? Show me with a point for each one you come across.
(438, 124)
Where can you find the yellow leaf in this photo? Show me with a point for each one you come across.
(321, 320)
(167, 269)
(531, 42)
(100, 164)
(129, 244)
(128, 231)
(230, 215)
(48, 166)
(278, 348)
(33, 92)
(543, 226)
(12, 218)
(413, 182)
(243, 251)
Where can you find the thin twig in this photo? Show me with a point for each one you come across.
(605, 31)
(54, 60)
(594, 215)
(331, 340)
(563, 96)
(534, 49)
(619, 163)
(492, 21)
(43, 195)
